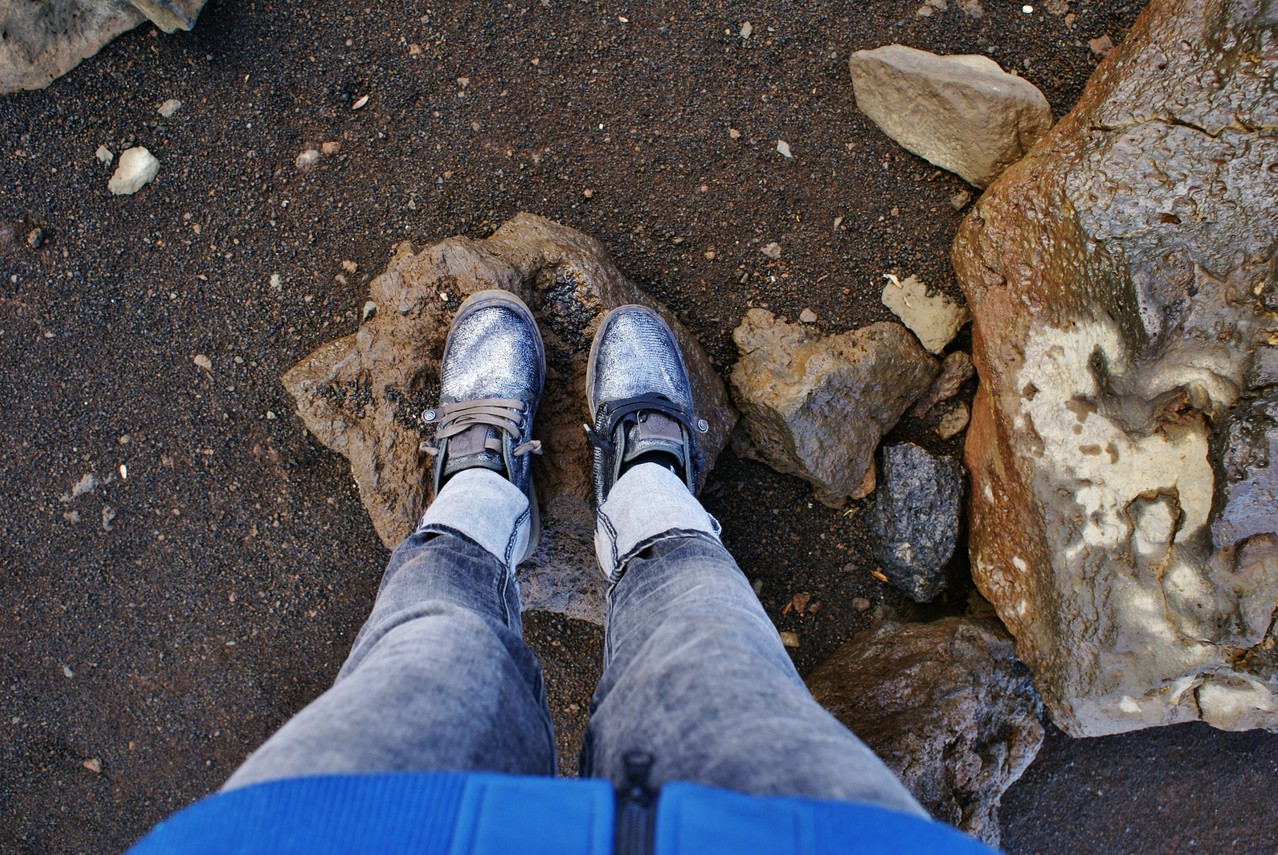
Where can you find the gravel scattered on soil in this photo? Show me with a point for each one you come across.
(239, 563)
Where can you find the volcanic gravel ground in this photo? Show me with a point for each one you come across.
(156, 628)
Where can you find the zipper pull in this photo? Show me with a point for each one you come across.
(638, 766)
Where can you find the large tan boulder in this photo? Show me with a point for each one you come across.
(362, 395)
(1123, 290)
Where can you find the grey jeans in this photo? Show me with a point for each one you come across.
(695, 675)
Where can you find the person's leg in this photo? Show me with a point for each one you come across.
(439, 678)
(696, 676)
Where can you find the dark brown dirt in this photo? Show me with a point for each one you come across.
(164, 624)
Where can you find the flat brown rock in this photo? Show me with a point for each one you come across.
(361, 395)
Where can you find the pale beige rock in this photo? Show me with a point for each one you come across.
(953, 420)
(44, 40)
(136, 169)
(361, 395)
(962, 113)
(935, 319)
(956, 370)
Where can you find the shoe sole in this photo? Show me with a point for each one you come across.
(499, 297)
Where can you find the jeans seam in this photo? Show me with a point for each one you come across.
(514, 535)
(657, 538)
(612, 539)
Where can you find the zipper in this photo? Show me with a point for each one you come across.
(636, 808)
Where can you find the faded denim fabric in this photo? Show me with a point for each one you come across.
(695, 674)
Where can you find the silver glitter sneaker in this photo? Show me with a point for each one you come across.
(640, 400)
(490, 381)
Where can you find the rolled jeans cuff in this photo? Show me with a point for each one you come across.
(485, 507)
(647, 505)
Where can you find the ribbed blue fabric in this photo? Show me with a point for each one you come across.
(489, 814)
(431, 814)
(697, 820)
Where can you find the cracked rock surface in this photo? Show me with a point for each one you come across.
(361, 395)
(1123, 289)
(946, 705)
(816, 406)
(42, 41)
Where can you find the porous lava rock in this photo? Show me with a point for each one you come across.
(1124, 294)
(43, 41)
(362, 394)
(914, 520)
(816, 406)
(946, 705)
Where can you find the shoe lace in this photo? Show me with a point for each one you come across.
(612, 413)
(504, 414)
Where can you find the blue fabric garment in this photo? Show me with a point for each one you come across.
(491, 814)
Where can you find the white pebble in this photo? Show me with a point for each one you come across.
(104, 155)
(136, 170)
(308, 158)
(169, 107)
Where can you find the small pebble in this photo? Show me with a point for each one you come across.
(35, 238)
(747, 29)
(960, 199)
(370, 309)
(772, 250)
(1101, 46)
(104, 155)
(734, 133)
(202, 361)
(784, 148)
(137, 168)
(349, 266)
(169, 107)
(308, 158)
(331, 148)
(861, 604)
(789, 639)
(807, 316)
(94, 765)
(954, 421)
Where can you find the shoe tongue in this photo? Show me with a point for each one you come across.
(468, 450)
(653, 431)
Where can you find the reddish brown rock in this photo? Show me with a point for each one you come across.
(362, 395)
(1124, 297)
(816, 406)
